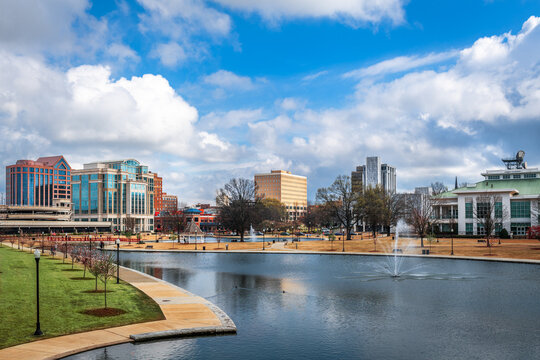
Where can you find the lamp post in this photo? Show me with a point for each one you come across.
(90, 242)
(452, 236)
(263, 241)
(118, 261)
(343, 240)
(36, 256)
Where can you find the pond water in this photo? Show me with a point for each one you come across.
(212, 239)
(293, 306)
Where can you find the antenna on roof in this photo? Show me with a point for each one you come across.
(516, 163)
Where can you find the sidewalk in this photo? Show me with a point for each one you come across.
(185, 314)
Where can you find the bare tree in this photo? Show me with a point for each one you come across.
(421, 215)
(340, 200)
(130, 225)
(12, 240)
(394, 209)
(489, 212)
(237, 205)
(438, 188)
(107, 270)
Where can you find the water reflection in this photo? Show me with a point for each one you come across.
(294, 306)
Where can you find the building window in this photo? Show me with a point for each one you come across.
(493, 177)
(468, 211)
(520, 209)
(498, 210)
(517, 176)
(519, 228)
(506, 177)
(529, 176)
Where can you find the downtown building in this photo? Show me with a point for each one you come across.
(514, 191)
(43, 182)
(289, 189)
(120, 192)
(373, 174)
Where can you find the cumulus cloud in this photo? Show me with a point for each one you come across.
(84, 108)
(352, 12)
(230, 119)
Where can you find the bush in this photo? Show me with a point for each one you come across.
(503, 234)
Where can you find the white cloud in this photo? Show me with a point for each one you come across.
(229, 80)
(86, 110)
(400, 64)
(291, 104)
(351, 12)
(314, 76)
(230, 119)
(179, 19)
(170, 54)
(122, 53)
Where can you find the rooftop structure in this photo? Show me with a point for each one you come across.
(374, 174)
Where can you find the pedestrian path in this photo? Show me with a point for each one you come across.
(185, 315)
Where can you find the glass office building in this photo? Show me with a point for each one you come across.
(121, 192)
(43, 182)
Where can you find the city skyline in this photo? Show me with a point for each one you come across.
(210, 90)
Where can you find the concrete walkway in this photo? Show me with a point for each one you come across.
(185, 315)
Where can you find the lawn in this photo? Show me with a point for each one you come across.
(62, 299)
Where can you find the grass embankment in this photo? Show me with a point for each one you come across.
(63, 300)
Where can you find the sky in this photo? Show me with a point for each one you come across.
(205, 91)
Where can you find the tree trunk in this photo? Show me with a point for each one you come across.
(96, 283)
(105, 293)
(422, 241)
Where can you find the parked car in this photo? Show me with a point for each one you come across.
(300, 234)
(259, 233)
(338, 233)
(285, 233)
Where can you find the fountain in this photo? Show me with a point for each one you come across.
(252, 235)
(393, 262)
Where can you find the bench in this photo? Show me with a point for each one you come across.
(149, 246)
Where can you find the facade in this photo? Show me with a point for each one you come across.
(515, 193)
(374, 174)
(281, 185)
(121, 192)
(158, 194)
(38, 183)
(170, 203)
(205, 219)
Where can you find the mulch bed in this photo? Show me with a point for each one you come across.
(96, 291)
(103, 312)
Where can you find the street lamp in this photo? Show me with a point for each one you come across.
(118, 261)
(343, 240)
(36, 256)
(452, 232)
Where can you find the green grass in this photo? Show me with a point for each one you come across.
(62, 300)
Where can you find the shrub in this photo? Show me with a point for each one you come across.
(503, 234)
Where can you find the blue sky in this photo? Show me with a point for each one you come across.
(203, 91)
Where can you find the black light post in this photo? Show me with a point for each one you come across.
(38, 329)
(343, 240)
(263, 241)
(118, 261)
(90, 241)
(452, 232)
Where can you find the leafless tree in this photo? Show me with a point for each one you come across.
(237, 205)
(107, 269)
(421, 215)
(394, 209)
(12, 240)
(438, 188)
(340, 200)
(488, 213)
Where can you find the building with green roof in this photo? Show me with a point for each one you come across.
(514, 192)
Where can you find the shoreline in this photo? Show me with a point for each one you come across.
(185, 314)
(304, 252)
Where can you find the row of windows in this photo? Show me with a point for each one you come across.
(513, 176)
(40, 170)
